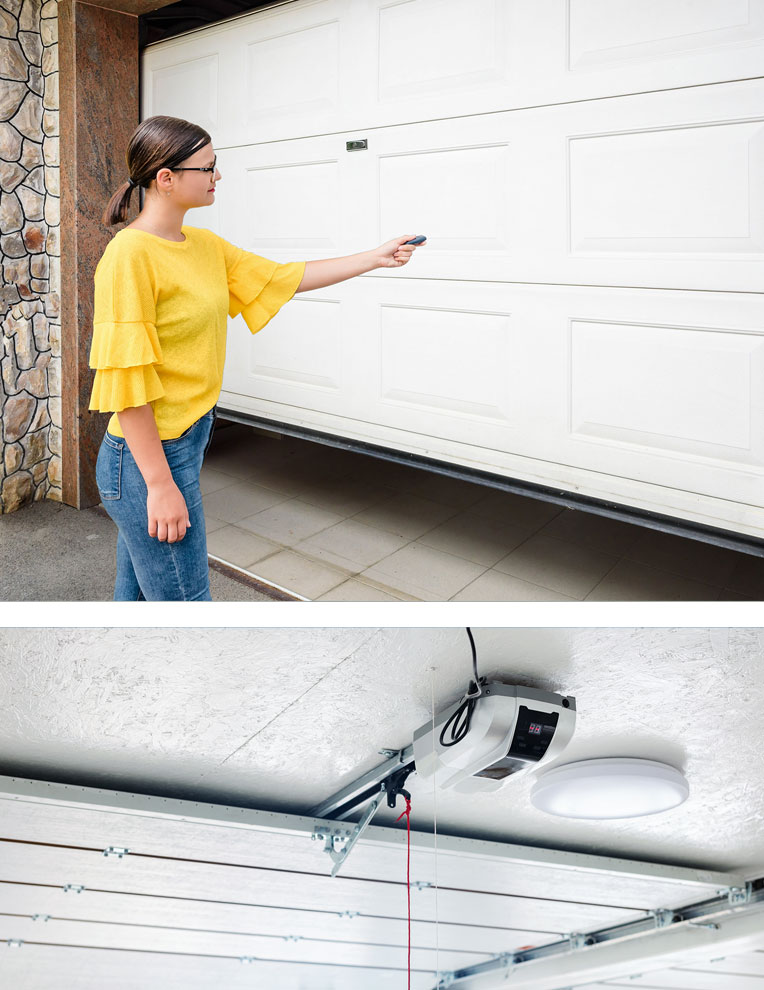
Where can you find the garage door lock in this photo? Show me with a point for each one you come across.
(357, 145)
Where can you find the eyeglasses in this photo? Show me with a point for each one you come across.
(209, 168)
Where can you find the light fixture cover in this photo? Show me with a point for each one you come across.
(609, 788)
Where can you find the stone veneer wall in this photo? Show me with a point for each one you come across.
(30, 359)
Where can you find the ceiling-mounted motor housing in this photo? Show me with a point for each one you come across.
(512, 730)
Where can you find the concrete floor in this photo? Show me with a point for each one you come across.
(50, 552)
(332, 525)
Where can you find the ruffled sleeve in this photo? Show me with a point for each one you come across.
(125, 348)
(258, 287)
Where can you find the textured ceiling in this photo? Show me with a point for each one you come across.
(281, 718)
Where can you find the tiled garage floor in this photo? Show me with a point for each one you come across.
(331, 525)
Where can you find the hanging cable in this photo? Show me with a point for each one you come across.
(459, 723)
(407, 813)
(435, 828)
(475, 677)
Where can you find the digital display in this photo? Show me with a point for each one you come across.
(533, 734)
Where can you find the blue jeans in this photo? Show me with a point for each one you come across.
(149, 569)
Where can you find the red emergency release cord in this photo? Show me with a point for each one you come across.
(407, 813)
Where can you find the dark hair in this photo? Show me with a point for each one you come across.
(157, 142)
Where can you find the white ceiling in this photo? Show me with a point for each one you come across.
(281, 718)
(277, 720)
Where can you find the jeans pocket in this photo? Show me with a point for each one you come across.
(109, 468)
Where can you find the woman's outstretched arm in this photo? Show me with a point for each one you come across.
(327, 271)
(166, 508)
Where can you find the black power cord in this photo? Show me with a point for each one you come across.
(460, 721)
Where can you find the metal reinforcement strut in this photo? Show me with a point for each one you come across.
(708, 914)
(388, 778)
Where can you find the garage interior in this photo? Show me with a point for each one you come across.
(326, 524)
(160, 789)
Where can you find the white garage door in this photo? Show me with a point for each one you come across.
(588, 311)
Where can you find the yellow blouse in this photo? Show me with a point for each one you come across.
(160, 317)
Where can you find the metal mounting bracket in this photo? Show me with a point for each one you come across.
(663, 917)
(577, 940)
(507, 961)
(118, 852)
(339, 842)
(738, 896)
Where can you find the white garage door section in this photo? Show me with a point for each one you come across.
(588, 311)
(202, 887)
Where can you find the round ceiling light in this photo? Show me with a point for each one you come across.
(609, 788)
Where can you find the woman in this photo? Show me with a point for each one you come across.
(163, 295)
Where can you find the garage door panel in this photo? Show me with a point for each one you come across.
(657, 191)
(683, 190)
(655, 387)
(291, 201)
(277, 201)
(459, 196)
(189, 86)
(252, 838)
(566, 386)
(418, 370)
(288, 948)
(258, 91)
(46, 967)
(375, 63)
(317, 923)
(431, 47)
(305, 352)
(604, 32)
(298, 358)
(687, 390)
(273, 87)
(144, 875)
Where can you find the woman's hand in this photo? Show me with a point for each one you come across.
(395, 253)
(167, 512)
(165, 506)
